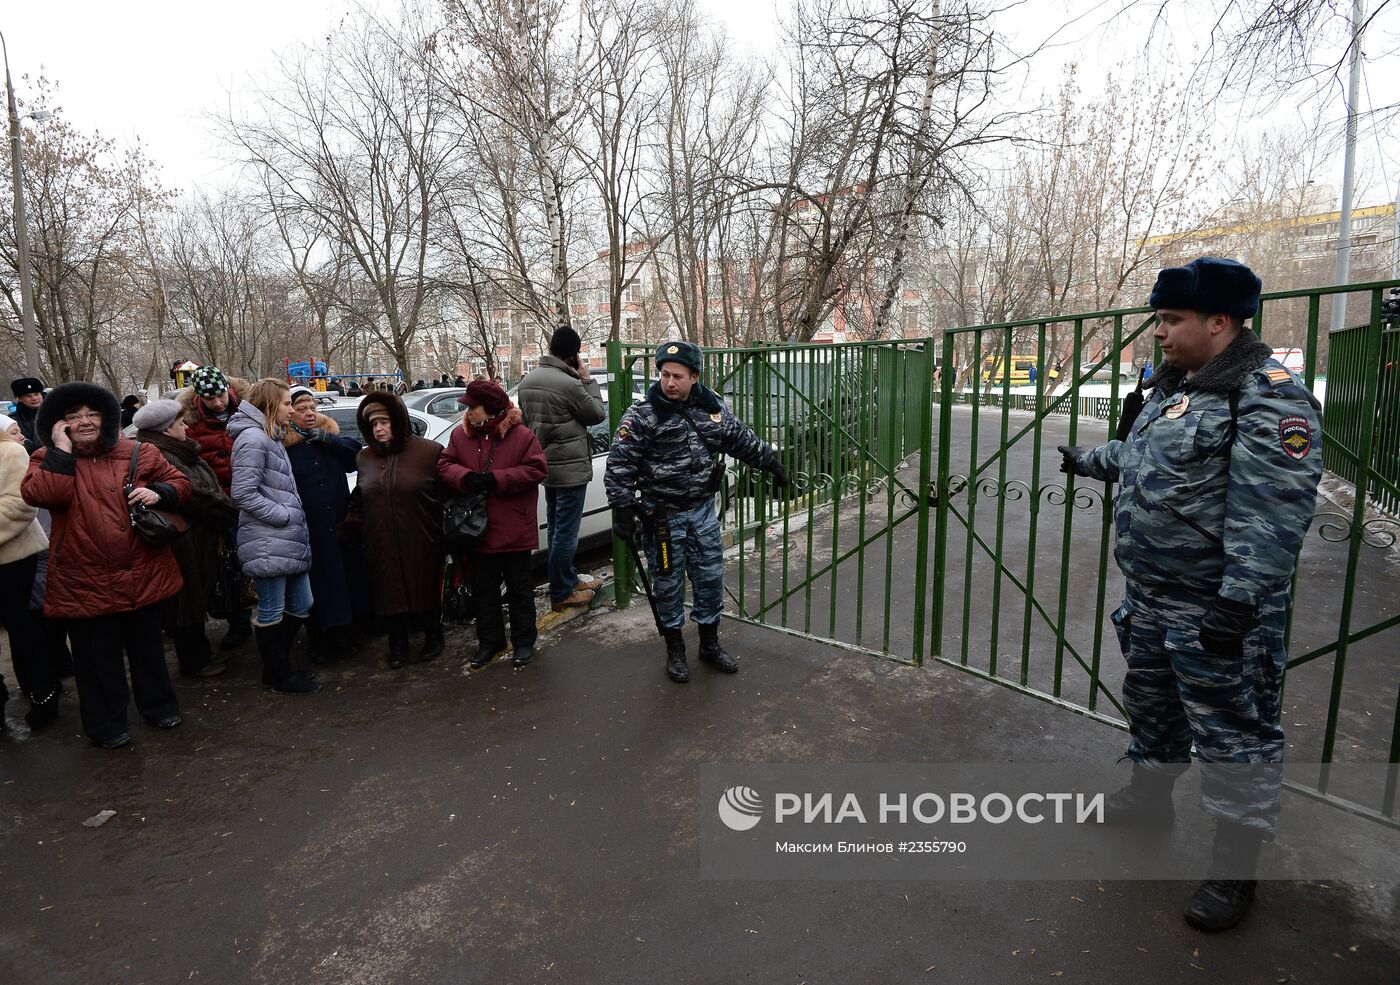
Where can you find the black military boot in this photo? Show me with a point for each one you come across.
(1145, 802)
(676, 667)
(1219, 903)
(712, 653)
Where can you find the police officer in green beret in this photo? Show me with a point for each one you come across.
(1217, 481)
(664, 469)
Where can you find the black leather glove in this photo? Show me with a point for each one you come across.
(319, 436)
(1223, 628)
(1070, 464)
(779, 474)
(478, 481)
(624, 526)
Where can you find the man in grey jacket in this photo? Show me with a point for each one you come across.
(559, 400)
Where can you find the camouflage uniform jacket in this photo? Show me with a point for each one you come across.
(1199, 511)
(664, 450)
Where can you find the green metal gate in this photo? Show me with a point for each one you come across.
(928, 519)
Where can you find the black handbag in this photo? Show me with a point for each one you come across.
(464, 516)
(154, 526)
(457, 603)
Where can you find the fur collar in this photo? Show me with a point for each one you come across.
(1223, 373)
(509, 419)
(293, 437)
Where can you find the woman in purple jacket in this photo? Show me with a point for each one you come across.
(274, 545)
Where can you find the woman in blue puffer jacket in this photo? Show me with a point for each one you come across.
(274, 545)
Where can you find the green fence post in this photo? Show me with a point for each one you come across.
(619, 399)
(940, 493)
(927, 396)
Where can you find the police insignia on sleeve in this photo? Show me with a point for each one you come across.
(716, 417)
(1178, 408)
(622, 432)
(1295, 435)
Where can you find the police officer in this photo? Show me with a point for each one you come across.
(668, 448)
(29, 394)
(1217, 480)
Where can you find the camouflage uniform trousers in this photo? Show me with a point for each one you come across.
(698, 549)
(1175, 693)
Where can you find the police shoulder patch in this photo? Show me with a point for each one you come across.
(622, 432)
(1295, 435)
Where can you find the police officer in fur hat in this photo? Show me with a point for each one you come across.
(29, 394)
(664, 470)
(1217, 481)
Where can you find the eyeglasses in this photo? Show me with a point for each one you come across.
(75, 418)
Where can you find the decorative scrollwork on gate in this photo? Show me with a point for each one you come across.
(1012, 489)
(1380, 532)
(1085, 498)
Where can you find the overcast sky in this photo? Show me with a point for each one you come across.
(153, 68)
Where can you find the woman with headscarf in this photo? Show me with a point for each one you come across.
(494, 450)
(104, 578)
(396, 511)
(274, 546)
(209, 512)
(321, 456)
(22, 542)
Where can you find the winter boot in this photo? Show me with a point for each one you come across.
(239, 629)
(274, 646)
(398, 642)
(1146, 802)
(712, 653)
(1219, 903)
(432, 635)
(41, 713)
(676, 667)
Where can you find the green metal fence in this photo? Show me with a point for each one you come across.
(929, 521)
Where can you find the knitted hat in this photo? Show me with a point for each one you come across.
(486, 395)
(157, 415)
(565, 343)
(1209, 285)
(302, 391)
(685, 353)
(208, 381)
(25, 385)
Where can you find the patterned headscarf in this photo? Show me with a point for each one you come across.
(208, 381)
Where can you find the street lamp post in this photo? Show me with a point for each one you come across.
(26, 285)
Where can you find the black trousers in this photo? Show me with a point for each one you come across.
(28, 639)
(98, 644)
(488, 571)
(192, 649)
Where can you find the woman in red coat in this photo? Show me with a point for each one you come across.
(495, 451)
(104, 579)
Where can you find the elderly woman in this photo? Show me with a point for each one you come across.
(22, 542)
(320, 458)
(209, 512)
(104, 578)
(494, 450)
(396, 510)
(274, 546)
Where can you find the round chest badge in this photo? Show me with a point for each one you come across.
(1178, 408)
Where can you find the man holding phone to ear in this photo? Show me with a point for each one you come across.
(559, 400)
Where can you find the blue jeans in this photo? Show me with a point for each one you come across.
(564, 511)
(282, 593)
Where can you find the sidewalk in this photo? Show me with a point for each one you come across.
(540, 826)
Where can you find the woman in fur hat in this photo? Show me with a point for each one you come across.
(104, 578)
(209, 512)
(320, 458)
(396, 510)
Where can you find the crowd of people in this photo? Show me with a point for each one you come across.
(259, 525)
